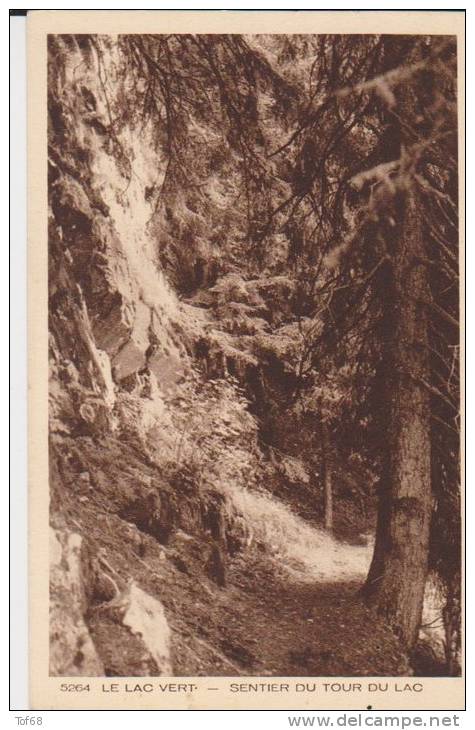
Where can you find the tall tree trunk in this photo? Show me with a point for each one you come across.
(397, 576)
(327, 477)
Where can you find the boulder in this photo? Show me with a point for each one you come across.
(133, 635)
(145, 617)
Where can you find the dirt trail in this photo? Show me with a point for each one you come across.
(268, 621)
(272, 618)
(290, 602)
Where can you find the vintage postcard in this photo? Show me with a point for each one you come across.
(245, 374)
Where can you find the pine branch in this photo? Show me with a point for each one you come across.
(446, 316)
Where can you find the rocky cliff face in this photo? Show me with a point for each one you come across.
(124, 351)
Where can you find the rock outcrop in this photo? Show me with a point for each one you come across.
(72, 651)
(98, 628)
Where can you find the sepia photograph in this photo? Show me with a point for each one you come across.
(254, 366)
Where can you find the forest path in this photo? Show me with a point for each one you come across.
(290, 603)
(274, 619)
(302, 548)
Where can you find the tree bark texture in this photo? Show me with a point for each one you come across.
(397, 576)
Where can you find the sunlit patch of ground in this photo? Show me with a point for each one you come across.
(307, 552)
